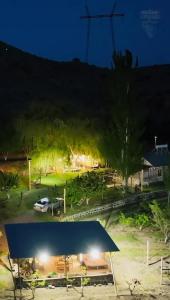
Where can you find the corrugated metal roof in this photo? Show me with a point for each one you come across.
(158, 158)
(26, 240)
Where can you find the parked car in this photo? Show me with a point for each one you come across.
(44, 204)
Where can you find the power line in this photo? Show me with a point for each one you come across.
(109, 16)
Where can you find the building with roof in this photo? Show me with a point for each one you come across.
(64, 249)
(155, 162)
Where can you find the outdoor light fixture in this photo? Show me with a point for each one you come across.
(43, 256)
(95, 253)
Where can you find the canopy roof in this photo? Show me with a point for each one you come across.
(27, 240)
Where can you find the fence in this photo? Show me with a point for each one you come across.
(165, 270)
(120, 203)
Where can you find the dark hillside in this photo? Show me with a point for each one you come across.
(77, 88)
(25, 78)
(153, 85)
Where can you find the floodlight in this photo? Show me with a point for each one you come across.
(43, 256)
(95, 253)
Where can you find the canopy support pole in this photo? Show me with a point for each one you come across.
(112, 270)
(82, 287)
(20, 288)
(11, 270)
(65, 271)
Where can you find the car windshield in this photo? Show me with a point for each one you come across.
(42, 202)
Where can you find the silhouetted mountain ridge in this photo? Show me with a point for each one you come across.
(76, 87)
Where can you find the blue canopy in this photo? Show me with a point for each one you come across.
(26, 240)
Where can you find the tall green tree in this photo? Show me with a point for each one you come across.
(122, 139)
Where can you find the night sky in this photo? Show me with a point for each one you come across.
(53, 29)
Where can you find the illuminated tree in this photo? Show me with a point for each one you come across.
(48, 139)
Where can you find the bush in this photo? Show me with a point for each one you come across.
(8, 180)
(3, 208)
(161, 219)
(52, 274)
(141, 220)
(85, 187)
(126, 220)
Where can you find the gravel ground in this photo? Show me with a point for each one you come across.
(90, 293)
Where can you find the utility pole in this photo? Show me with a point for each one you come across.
(29, 174)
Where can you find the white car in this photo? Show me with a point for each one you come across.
(44, 204)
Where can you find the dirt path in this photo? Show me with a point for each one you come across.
(131, 262)
(90, 293)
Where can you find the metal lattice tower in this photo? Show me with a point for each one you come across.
(109, 16)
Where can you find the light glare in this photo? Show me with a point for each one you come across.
(43, 257)
(95, 253)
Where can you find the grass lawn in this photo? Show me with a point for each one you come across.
(58, 179)
(20, 201)
(52, 186)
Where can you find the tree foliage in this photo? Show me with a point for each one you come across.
(140, 220)
(161, 219)
(121, 61)
(46, 138)
(3, 208)
(8, 180)
(85, 187)
(8, 139)
(121, 144)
